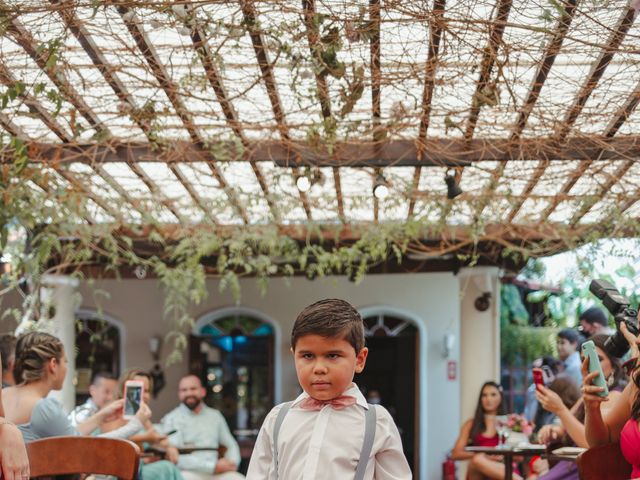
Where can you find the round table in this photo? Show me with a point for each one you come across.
(508, 452)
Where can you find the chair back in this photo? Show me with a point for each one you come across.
(605, 461)
(75, 454)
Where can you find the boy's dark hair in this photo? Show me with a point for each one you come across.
(571, 335)
(594, 315)
(330, 318)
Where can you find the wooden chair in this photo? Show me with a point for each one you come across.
(604, 462)
(72, 455)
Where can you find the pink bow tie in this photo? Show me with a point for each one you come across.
(338, 403)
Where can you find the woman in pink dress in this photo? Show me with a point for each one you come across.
(621, 422)
(480, 431)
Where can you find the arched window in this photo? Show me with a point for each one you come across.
(99, 348)
(382, 325)
(234, 352)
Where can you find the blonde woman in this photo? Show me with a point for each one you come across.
(40, 367)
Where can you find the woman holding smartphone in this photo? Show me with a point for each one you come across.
(41, 367)
(571, 429)
(480, 431)
(621, 420)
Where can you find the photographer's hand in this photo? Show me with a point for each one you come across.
(631, 339)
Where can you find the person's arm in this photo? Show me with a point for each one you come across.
(93, 422)
(458, 452)
(390, 462)
(552, 402)
(601, 430)
(14, 461)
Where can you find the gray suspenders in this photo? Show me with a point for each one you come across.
(367, 444)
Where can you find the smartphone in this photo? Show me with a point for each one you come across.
(133, 390)
(589, 351)
(538, 377)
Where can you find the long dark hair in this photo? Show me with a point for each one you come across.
(478, 426)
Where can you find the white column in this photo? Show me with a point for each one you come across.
(59, 293)
(480, 334)
(479, 338)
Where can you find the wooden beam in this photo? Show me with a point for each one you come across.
(531, 183)
(436, 24)
(612, 128)
(313, 38)
(28, 43)
(100, 61)
(597, 70)
(488, 59)
(376, 81)
(623, 112)
(268, 77)
(7, 123)
(231, 194)
(7, 78)
(113, 183)
(545, 66)
(171, 90)
(175, 169)
(613, 179)
(156, 192)
(439, 152)
(534, 92)
(86, 191)
(450, 234)
(562, 130)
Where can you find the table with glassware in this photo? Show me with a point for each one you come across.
(508, 451)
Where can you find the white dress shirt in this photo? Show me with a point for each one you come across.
(205, 429)
(326, 444)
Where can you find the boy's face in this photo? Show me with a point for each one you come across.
(565, 347)
(325, 366)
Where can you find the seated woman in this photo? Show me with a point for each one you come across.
(480, 431)
(14, 463)
(40, 367)
(620, 423)
(156, 470)
(570, 431)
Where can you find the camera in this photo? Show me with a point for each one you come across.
(619, 307)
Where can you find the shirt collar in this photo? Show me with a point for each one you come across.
(186, 410)
(352, 391)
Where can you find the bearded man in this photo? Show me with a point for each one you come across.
(198, 426)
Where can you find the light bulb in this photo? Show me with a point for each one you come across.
(303, 183)
(380, 191)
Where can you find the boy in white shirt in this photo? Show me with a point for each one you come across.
(329, 432)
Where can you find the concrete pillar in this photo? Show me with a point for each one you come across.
(479, 338)
(59, 293)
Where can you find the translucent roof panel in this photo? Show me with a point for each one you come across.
(311, 83)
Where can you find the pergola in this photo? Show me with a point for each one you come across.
(204, 114)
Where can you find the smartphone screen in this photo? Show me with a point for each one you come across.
(132, 398)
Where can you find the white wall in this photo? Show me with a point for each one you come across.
(432, 298)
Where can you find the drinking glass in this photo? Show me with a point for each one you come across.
(502, 429)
